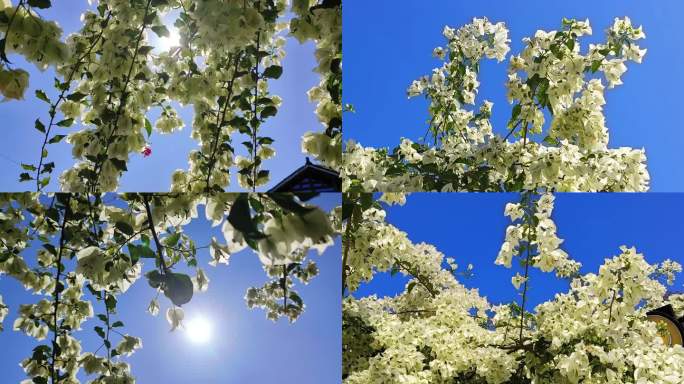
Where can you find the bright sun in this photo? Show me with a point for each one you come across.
(198, 330)
(173, 40)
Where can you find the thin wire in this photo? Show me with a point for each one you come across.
(9, 159)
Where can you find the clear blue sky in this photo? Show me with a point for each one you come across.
(21, 142)
(388, 44)
(471, 227)
(247, 347)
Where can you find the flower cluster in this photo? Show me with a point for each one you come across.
(535, 234)
(25, 33)
(438, 331)
(550, 77)
(322, 23)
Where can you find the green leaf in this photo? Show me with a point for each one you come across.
(66, 123)
(265, 140)
(145, 49)
(42, 4)
(40, 126)
(595, 65)
(41, 95)
(76, 96)
(28, 167)
(241, 219)
(570, 44)
(295, 298)
(50, 248)
(172, 240)
(100, 331)
(110, 302)
(288, 203)
(410, 286)
(140, 251)
(124, 228)
(56, 139)
(40, 380)
(161, 31)
(117, 324)
(148, 127)
(119, 164)
(178, 287)
(273, 72)
(155, 279)
(514, 115)
(269, 111)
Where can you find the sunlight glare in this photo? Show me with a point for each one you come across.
(168, 42)
(198, 330)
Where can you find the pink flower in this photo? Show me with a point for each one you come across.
(147, 150)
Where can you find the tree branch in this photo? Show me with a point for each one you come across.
(58, 289)
(160, 255)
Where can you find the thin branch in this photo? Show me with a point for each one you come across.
(221, 121)
(58, 288)
(426, 284)
(256, 101)
(160, 255)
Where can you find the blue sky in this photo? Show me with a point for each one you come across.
(21, 142)
(388, 44)
(471, 227)
(246, 348)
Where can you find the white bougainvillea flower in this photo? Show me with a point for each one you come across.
(153, 308)
(174, 316)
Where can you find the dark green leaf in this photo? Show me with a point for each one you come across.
(144, 50)
(40, 126)
(56, 139)
(273, 72)
(240, 218)
(161, 31)
(41, 95)
(100, 331)
(119, 164)
(124, 228)
(178, 287)
(50, 248)
(66, 123)
(76, 96)
(110, 302)
(265, 140)
(154, 279)
(172, 240)
(269, 111)
(288, 203)
(42, 4)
